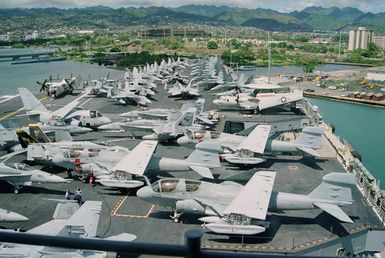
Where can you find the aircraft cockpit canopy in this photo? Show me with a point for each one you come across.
(170, 185)
(22, 166)
(199, 135)
(95, 113)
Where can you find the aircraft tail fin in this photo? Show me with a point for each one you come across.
(206, 154)
(200, 104)
(38, 134)
(335, 187)
(308, 151)
(203, 171)
(310, 137)
(186, 119)
(25, 138)
(30, 102)
(62, 136)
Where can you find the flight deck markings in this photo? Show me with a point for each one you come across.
(17, 111)
(119, 203)
(9, 98)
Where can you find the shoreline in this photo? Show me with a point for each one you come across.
(371, 103)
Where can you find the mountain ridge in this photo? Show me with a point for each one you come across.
(308, 19)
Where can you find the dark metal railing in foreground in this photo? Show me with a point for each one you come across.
(191, 248)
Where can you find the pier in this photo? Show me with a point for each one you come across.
(25, 56)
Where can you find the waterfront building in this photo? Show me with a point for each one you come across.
(360, 38)
(379, 41)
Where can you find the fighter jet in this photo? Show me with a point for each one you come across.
(39, 113)
(63, 139)
(162, 130)
(231, 208)
(165, 114)
(69, 220)
(183, 92)
(10, 216)
(102, 87)
(56, 89)
(20, 174)
(134, 96)
(249, 150)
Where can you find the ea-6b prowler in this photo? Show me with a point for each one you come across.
(249, 150)
(115, 166)
(231, 208)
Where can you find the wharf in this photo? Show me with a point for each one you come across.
(346, 99)
(290, 232)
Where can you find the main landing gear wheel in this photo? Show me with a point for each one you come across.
(16, 190)
(176, 216)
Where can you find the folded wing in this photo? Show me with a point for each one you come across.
(253, 200)
(137, 160)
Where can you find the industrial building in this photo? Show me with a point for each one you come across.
(360, 38)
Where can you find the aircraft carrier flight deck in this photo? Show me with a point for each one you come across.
(289, 232)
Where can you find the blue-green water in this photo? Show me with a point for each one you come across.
(26, 75)
(363, 127)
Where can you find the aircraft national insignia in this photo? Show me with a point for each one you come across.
(283, 99)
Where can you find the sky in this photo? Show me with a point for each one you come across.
(374, 6)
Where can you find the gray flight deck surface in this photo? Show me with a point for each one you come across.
(124, 212)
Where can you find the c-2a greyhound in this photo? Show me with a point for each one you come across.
(231, 208)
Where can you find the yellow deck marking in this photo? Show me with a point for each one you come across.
(272, 248)
(119, 203)
(17, 111)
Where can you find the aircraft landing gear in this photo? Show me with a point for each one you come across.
(16, 189)
(176, 216)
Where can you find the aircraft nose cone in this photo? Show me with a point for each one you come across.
(144, 192)
(108, 126)
(56, 179)
(106, 120)
(150, 137)
(82, 130)
(216, 101)
(12, 217)
(182, 141)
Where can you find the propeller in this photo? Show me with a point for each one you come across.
(70, 83)
(43, 86)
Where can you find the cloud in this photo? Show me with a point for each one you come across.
(280, 5)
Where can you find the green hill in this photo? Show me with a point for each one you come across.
(309, 19)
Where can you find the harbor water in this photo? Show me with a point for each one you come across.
(363, 127)
(26, 75)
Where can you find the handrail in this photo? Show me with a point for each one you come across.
(191, 248)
